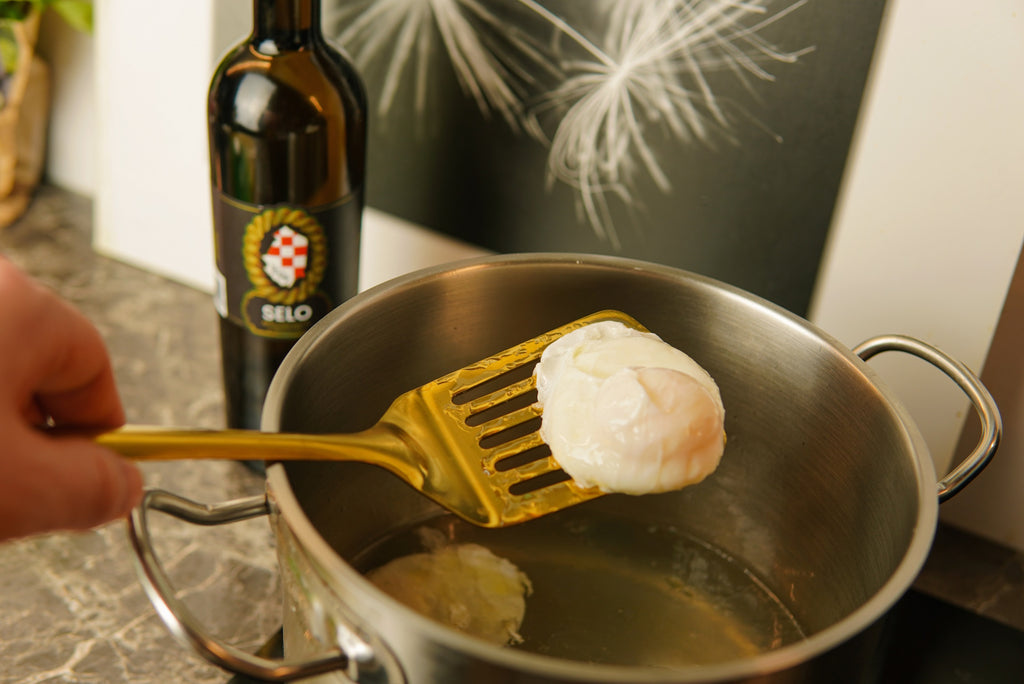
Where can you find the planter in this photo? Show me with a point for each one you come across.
(24, 113)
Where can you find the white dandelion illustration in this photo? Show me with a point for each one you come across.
(649, 73)
(494, 62)
(652, 73)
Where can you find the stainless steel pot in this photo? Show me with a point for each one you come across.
(826, 494)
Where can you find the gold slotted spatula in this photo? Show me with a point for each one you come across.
(468, 440)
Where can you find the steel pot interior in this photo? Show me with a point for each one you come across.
(825, 493)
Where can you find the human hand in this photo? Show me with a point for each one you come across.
(54, 370)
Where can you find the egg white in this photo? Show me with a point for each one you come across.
(626, 412)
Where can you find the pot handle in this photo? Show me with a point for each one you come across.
(984, 404)
(181, 623)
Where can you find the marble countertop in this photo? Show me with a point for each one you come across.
(71, 608)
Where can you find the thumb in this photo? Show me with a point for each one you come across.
(66, 483)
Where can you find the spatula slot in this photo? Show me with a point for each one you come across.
(522, 458)
(502, 405)
(494, 383)
(537, 483)
(515, 431)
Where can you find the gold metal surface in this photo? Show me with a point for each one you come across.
(448, 439)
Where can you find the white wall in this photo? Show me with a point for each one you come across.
(930, 222)
(153, 64)
(71, 140)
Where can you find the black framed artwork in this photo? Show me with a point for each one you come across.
(709, 135)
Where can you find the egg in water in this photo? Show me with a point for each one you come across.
(464, 586)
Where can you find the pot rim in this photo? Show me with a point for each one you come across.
(776, 660)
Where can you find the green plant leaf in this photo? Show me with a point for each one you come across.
(77, 13)
(8, 50)
(15, 11)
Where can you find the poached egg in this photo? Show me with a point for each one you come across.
(626, 412)
(464, 586)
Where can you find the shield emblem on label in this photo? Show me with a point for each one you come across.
(285, 260)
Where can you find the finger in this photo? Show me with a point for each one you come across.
(93, 401)
(65, 484)
(76, 381)
(64, 370)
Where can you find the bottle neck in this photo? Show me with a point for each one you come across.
(286, 24)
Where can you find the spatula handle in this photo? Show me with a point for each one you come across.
(376, 445)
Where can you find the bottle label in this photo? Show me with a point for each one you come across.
(274, 262)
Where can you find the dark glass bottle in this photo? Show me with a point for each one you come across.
(287, 127)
